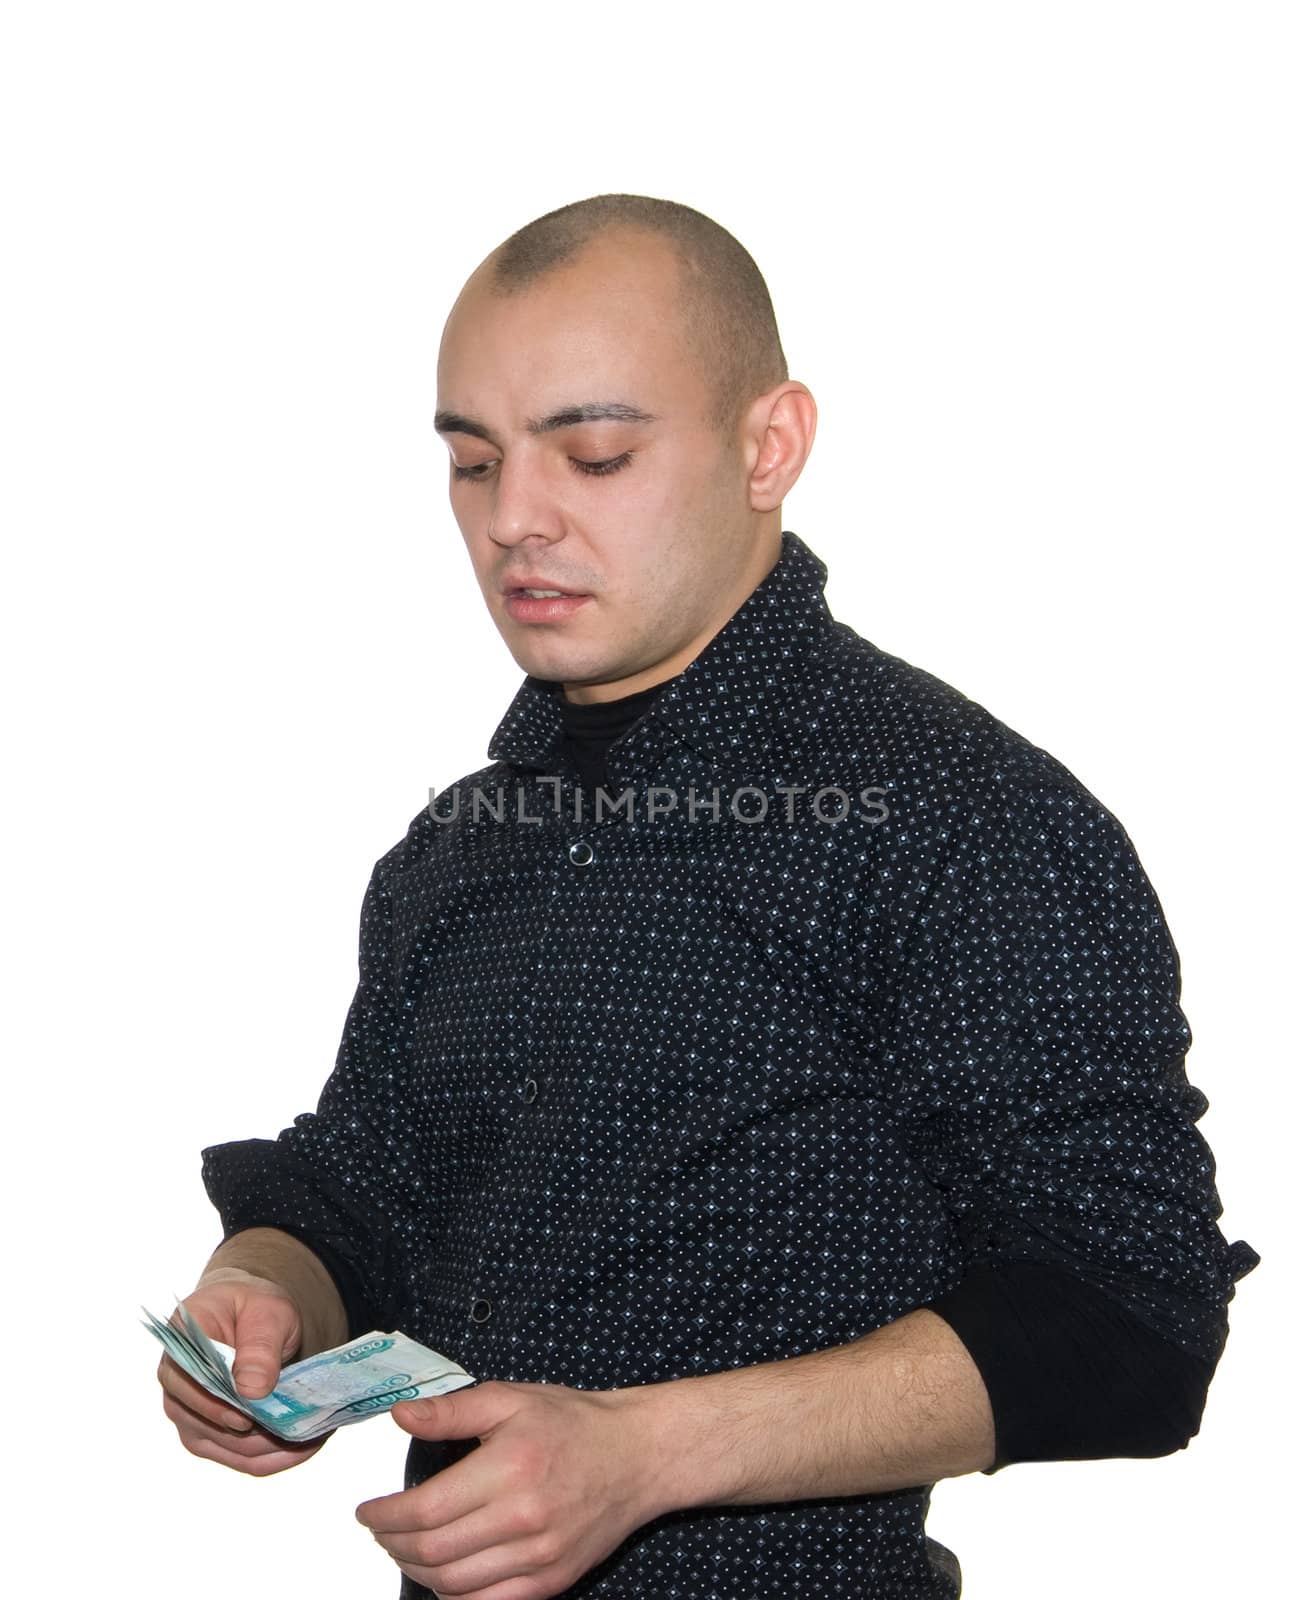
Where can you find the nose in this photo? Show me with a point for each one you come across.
(522, 505)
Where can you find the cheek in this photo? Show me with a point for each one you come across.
(480, 557)
(466, 518)
(665, 590)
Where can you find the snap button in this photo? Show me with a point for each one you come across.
(528, 1090)
(580, 853)
(481, 1311)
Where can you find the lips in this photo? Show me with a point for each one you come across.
(529, 608)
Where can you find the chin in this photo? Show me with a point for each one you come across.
(549, 664)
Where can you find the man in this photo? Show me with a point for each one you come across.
(767, 1076)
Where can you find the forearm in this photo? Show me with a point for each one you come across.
(901, 1406)
(270, 1253)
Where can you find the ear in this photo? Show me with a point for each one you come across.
(779, 431)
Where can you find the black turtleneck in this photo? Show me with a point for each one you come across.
(590, 729)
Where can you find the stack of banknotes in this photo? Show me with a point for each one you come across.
(311, 1397)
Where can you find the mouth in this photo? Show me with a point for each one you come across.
(538, 591)
(533, 604)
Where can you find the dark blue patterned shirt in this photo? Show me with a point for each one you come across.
(850, 1001)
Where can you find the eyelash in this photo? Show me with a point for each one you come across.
(591, 469)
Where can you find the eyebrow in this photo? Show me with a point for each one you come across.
(565, 417)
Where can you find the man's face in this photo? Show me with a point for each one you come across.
(646, 523)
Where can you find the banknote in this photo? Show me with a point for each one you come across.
(329, 1390)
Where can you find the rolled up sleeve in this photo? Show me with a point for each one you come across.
(1038, 1055)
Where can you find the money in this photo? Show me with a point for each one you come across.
(355, 1381)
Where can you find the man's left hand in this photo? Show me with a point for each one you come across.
(561, 1477)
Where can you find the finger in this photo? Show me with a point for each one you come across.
(189, 1393)
(179, 1412)
(454, 1541)
(267, 1331)
(513, 1590)
(433, 1504)
(467, 1413)
(485, 1572)
(463, 1550)
(191, 1426)
(193, 1433)
(254, 1466)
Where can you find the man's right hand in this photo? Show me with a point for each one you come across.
(261, 1322)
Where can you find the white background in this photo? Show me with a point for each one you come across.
(1043, 267)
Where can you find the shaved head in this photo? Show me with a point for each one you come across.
(621, 430)
(728, 323)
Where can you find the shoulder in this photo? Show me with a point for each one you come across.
(925, 735)
(958, 782)
(442, 825)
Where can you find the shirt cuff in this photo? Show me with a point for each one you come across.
(1072, 1375)
(255, 1184)
(359, 1318)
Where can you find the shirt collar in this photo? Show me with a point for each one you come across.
(731, 697)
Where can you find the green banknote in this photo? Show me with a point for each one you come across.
(311, 1397)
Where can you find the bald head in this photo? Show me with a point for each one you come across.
(621, 432)
(727, 322)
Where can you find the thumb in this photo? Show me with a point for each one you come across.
(464, 1414)
(263, 1333)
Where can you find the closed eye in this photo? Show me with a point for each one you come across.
(598, 469)
(593, 469)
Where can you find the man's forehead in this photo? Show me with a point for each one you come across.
(576, 346)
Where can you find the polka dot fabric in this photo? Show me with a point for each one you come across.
(663, 1093)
